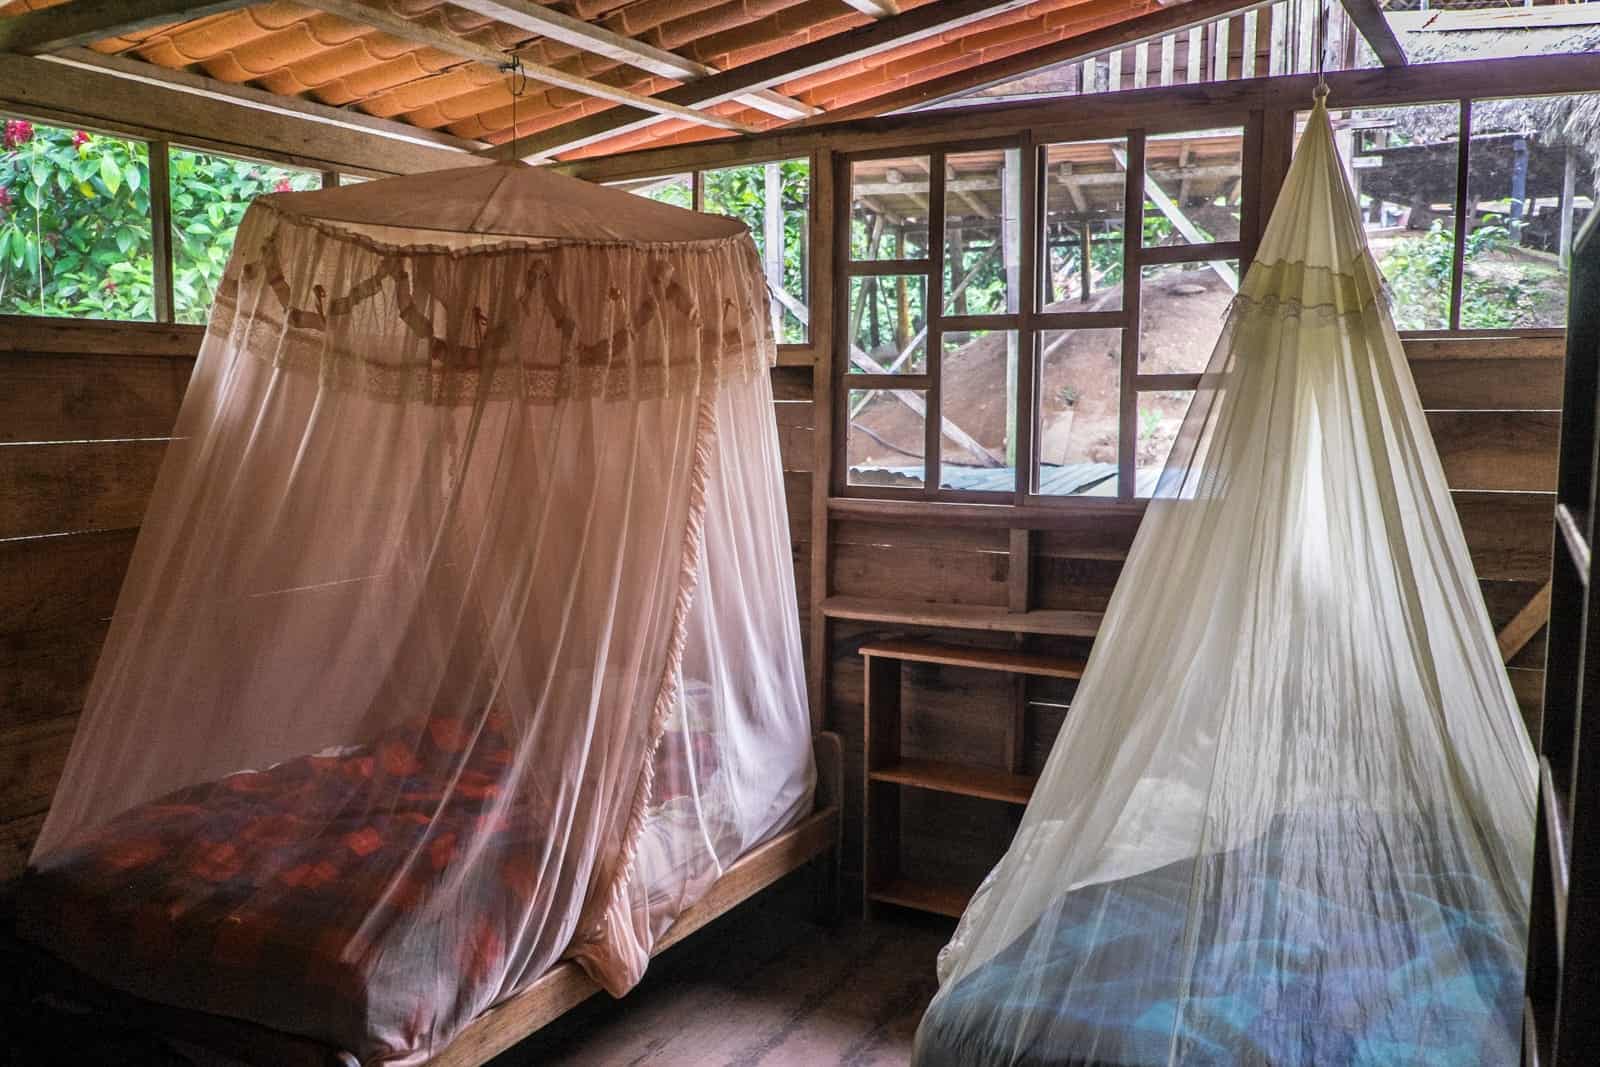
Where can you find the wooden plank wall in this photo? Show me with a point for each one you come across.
(85, 412)
(1493, 406)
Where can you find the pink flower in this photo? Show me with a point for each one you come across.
(79, 139)
(18, 133)
(283, 186)
(5, 197)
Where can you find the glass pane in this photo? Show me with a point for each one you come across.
(982, 232)
(885, 443)
(1085, 188)
(888, 324)
(1402, 165)
(1160, 419)
(978, 379)
(1530, 185)
(75, 235)
(1192, 187)
(1079, 397)
(889, 208)
(772, 199)
(209, 196)
(1181, 309)
(674, 189)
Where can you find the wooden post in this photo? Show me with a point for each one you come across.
(1010, 252)
(161, 232)
(1197, 54)
(1085, 244)
(1569, 188)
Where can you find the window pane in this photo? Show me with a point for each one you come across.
(1402, 165)
(772, 199)
(1079, 395)
(1530, 186)
(1085, 188)
(978, 376)
(1181, 309)
(1192, 187)
(888, 324)
(75, 236)
(209, 196)
(674, 189)
(889, 208)
(1160, 419)
(982, 232)
(885, 443)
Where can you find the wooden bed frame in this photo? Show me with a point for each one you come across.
(814, 838)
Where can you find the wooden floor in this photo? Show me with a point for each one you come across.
(762, 985)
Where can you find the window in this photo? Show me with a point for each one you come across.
(1530, 185)
(995, 313)
(1402, 164)
(774, 200)
(75, 231)
(209, 196)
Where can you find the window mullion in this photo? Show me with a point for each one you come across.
(1458, 260)
(932, 316)
(161, 231)
(1132, 272)
(1030, 174)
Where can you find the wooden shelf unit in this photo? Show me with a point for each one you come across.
(964, 616)
(1561, 1020)
(888, 771)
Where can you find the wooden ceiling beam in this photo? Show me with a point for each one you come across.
(586, 36)
(246, 96)
(381, 18)
(83, 22)
(1374, 26)
(913, 25)
(1072, 49)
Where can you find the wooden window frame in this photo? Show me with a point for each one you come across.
(1027, 321)
(158, 152)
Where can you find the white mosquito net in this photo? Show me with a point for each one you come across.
(1289, 818)
(461, 632)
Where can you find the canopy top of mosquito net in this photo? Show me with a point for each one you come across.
(501, 203)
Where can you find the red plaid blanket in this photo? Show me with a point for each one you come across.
(295, 896)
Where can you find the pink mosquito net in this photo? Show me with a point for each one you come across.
(461, 633)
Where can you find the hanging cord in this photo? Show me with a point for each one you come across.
(1321, 91)
(519, 85)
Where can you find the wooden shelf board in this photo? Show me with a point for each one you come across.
(923, 896)
(956, 778)
(986, 659)
(963, 616)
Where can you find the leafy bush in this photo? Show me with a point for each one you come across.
(75, 231)
(1419, 275)
(742, 193)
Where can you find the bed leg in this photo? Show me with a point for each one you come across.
(829, 750)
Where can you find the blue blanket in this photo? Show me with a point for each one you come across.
(1332, 941)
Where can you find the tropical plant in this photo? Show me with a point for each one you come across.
(742, 193)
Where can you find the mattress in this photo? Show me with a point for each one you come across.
(1283, 974)
(289, 896)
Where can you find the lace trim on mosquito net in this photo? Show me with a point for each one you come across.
(665, 341)
(1293, 289)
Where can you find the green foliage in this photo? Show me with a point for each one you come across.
(209, 197)
(74, 225)
(1419, 275)
(75, 233)
(742, 193)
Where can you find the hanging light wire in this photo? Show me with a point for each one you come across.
(519, 85)
(1321, 91)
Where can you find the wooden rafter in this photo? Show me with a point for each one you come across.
(588, 37)
(1522, 628)
(183, 81)
(878, 9)
(1079, 47)
(1374, 26)
(84, 21)
(382, 18)
(913, 25)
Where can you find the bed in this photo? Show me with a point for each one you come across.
(165, 905)
(1446, 975)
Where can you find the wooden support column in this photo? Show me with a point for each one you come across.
(830, 241)
(161, 231)
(1569, 189)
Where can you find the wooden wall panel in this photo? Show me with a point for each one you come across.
(1497, 450)
(89, 397)
(76, 485)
